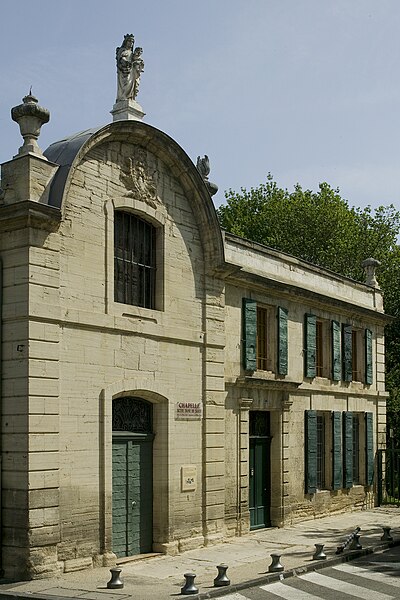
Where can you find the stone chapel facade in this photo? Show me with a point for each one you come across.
(164, 384)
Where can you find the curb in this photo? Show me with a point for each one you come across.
(300, 570)
(236, 587)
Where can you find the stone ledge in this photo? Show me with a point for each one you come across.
(29, 214)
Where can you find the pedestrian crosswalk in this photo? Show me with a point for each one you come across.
(341, 581)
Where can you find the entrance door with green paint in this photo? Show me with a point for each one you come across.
(132, 479)
(259, 469)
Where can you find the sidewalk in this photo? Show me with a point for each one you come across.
(161, 577)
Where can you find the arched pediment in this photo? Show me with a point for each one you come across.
(69, 154)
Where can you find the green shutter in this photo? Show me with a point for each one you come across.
(347, 450)
(310, 357)
(347, 353)
(311, 451)
(336, 352)
(337, 460)
(249, 334)
(369, 449)
(368, 356)
(282, 341)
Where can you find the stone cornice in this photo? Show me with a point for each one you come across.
(28, 213)
(239, 277)
(271, 384)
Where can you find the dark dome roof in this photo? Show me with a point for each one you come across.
(63, 153)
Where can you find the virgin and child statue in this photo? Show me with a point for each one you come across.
(130, 65)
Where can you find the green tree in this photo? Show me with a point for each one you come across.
(322, 228)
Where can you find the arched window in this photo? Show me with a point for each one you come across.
(134, 260)
(132, 414)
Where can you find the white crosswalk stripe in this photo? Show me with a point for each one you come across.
(358, 588)
(289, 593)
(344, 587)
(372, 575)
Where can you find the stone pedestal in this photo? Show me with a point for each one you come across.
(26, 177)
(127, 109)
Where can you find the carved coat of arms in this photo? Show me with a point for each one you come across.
(139, 181)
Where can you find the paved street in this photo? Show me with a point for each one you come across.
(377, 577)
(248, 557)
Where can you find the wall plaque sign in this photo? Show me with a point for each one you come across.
(188, 411)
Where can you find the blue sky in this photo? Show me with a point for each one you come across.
(308, 90)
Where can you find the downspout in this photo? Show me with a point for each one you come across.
(1, 405)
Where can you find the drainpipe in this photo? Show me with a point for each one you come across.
(1, 403)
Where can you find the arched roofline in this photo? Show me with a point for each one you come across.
(70, 152)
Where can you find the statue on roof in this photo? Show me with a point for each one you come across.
(203, 166)
(130, 65)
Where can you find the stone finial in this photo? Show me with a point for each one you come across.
(369, 265)
(30, 118)
(203, 167)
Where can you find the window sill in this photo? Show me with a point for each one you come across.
(135, 312)
(264, 374)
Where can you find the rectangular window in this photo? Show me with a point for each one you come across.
(134, 260)
(318, 451)
(358, 356)
(347, 349)
(265, 337)
(354, 356)
(262, 339)
(368, 357)
(317, 350)
(320, 349)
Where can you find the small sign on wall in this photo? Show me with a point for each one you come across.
(188, 478)
(188, 411)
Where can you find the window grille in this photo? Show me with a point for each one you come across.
(259, 423)
(132, 414)
(134, 260)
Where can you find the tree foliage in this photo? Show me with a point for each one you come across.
(322, 228)
(319, 227)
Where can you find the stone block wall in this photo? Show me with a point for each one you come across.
(288, 397)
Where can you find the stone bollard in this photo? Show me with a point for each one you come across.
(275, 566)
(355, 544)
(189, 587)
(386, 535)
(221, 579)
(319, 553)
(115, 582)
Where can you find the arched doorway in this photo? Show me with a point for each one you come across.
(132, 476)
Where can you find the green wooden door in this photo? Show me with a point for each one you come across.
(132, 496)
(259, 470)
(259, 497)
